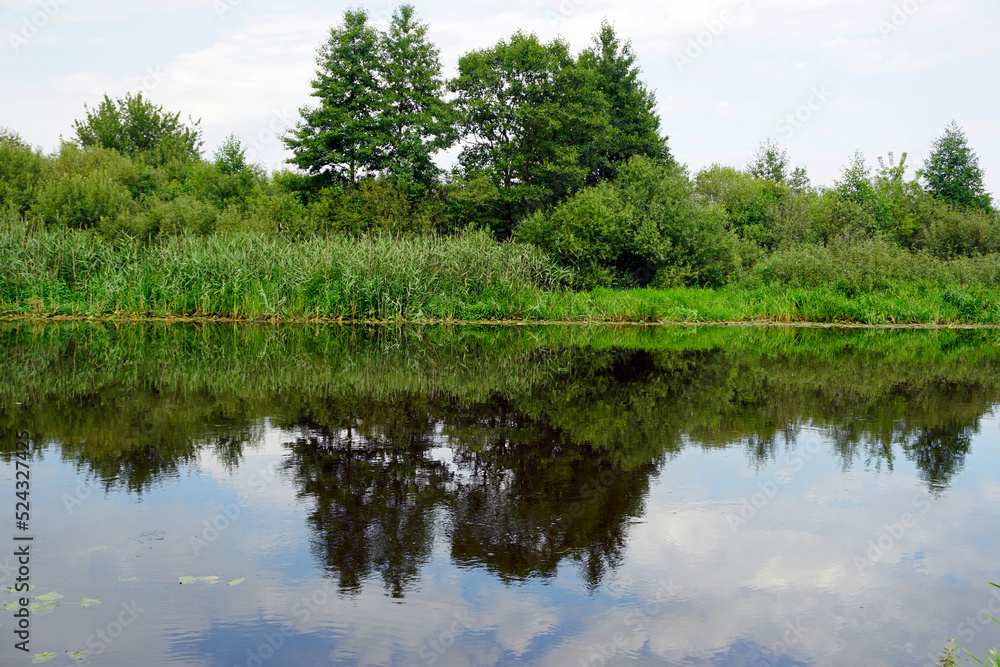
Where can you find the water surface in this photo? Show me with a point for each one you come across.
(494, 496)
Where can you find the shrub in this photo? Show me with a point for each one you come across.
(948, 232)
(182, 214)
(211, 182)
(21, 169)
(646, 227)
(753, 206)
(82, 201)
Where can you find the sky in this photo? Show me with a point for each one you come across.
(823, 78)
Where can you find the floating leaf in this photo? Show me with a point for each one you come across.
(237, 582)
(76, 654)
(42, 608)
(49, 597)
(90, 602)
(209, 580)
(13, 589)
(42, 657)
(10, 605)
(128, 578)
(188, 580)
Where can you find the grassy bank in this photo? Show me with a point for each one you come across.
(49, 273)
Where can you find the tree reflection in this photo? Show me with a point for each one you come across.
(524, 449)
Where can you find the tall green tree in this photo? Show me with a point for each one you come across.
(418, 122)
(530, 118)
(951, 172)
(136, 127)
(342, 137)
(635, 124)
(381, 106)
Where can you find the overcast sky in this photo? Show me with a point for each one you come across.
(822, 77)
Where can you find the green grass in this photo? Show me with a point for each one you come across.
(52, 273)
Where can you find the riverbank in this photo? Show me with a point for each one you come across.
(60, 274)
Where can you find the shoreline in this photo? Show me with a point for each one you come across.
(332, 321)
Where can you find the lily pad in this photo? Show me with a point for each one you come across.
(42, 608)
(188, 580)
(77, 655)
(209, 580)
(10, 605)
(13, 589)
(90, 602)
(128, 578)
(42, 657)
(49, 597)
(237, 582)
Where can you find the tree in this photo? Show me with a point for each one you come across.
(342, 136)
(418, 122)
(951, 172)
(140, 129)
(531, 119)
(635, 125)
(381, 104)
(770, 162)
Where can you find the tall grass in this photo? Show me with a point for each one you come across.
(51, 272)
(468, 276)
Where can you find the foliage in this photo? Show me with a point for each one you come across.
(21, 169)
(753, 205)
(136, 127)
(418, 119)
(769, 162)
(644, 228)
(951, 172)
(342, 137)
(256, 275)
(634, 123)
(380, 108)
(529, 118)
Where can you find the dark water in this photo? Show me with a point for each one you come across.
(481, 496)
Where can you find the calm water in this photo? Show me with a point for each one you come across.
(493, 496)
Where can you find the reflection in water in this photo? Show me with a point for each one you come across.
(526, 447)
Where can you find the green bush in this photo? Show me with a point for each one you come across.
(183, 214)
(474, 201)
(210, 182)
(82, 201)
(870, 265)
(374, 205)
(753, 206)
(21, 169)
(947, 232)
(645, 228)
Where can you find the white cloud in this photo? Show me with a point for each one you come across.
(241, 70)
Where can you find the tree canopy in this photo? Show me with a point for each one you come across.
(136, 127)
(380, 102)
(543, 124)
(951, 172)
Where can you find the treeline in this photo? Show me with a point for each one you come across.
(560, 151)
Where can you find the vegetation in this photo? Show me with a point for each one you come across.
(564, 184)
